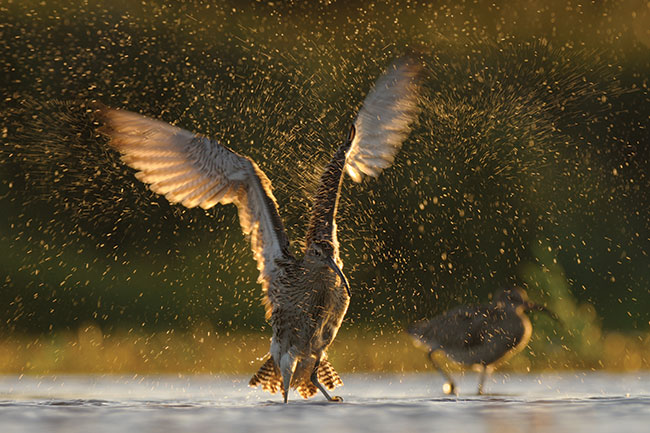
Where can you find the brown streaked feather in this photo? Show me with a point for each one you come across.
(322, 225)
(196, 171)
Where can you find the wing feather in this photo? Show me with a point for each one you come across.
(197, 171)
(381, 126)
(383, 123)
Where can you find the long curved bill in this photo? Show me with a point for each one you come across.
(543, 309)
(332, 264)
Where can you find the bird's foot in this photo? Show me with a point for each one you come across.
(336, 399)
(449, 388)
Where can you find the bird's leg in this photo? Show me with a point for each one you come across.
(314, 380)
(287, 367)
(285, 390)
(450, 386)
(484, 373)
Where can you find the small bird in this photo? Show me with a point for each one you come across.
(305, 298)
(480, 335)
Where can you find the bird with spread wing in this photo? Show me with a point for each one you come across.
(305, 298)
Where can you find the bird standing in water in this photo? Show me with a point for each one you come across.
(305, 298)
(480, 335)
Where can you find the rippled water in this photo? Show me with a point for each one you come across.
(575, 402)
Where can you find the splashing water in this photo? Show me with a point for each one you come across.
(528, 133)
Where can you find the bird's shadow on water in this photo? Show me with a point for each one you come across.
(472, 395)
(401, 399)
(360, 401)
(301, 403)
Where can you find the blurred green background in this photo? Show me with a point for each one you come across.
(528, 166)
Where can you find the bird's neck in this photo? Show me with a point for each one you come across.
(322, 224)
(319, 274)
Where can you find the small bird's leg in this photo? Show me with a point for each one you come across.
(314, 380)
(450, 386)
(484, 372)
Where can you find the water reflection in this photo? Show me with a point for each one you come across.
(591, 402)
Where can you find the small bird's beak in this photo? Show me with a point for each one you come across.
(332, 264)
(537, 307)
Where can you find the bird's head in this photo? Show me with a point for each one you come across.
(511, 297)
(516, 298)
(321, 252)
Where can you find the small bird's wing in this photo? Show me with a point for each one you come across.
(196, 171)
(461, 322)
(489, 326)
(445, 330)
(384, 120)
(382, 124)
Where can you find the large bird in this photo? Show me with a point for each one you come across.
(305, 298)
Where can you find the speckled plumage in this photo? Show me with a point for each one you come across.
(305, 298)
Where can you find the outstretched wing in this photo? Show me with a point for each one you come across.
(378, 132)
(196, 171)
(384, 120)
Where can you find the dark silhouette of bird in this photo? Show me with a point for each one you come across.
(479, 335)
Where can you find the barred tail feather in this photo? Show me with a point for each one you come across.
(328, 376)
(307, 389)
(268, 376)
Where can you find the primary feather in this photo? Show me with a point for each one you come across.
(384, 120)
(195, 171)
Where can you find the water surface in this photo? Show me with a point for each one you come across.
(552, 402)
